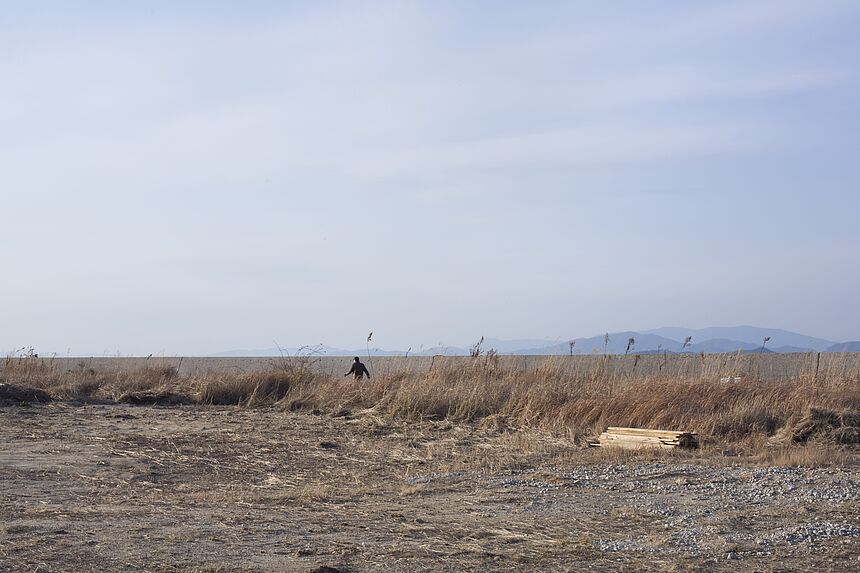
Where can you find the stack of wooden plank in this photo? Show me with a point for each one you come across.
(635, 438)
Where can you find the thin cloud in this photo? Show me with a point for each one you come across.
(603, 144)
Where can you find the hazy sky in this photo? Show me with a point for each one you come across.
(217, 175)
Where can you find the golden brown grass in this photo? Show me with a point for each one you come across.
(574, 402)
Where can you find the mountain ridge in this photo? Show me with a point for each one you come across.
(718, 339)
(747, 334)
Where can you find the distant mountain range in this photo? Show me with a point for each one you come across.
(668, 339)
(845, 347)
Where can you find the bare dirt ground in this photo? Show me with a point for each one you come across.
(192, 488)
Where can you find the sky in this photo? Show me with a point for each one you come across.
(189, 178)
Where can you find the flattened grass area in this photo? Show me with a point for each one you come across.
(119, 487)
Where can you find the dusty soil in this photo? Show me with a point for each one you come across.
(190, 488)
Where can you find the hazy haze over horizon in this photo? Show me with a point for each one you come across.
(186, 179)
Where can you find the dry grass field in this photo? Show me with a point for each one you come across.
(469, 465)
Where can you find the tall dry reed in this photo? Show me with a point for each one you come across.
(557, 395)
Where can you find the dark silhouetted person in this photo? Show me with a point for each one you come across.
(358, 369)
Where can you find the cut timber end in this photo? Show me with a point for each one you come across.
(635, 438)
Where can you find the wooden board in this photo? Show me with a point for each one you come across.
(647, 432)
(634, 445)
(634, 438)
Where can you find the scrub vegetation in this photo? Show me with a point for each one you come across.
(746, 410)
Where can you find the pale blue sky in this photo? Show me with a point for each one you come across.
(192, 179)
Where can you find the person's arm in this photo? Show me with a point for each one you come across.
(351, 371)
(367, 372)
